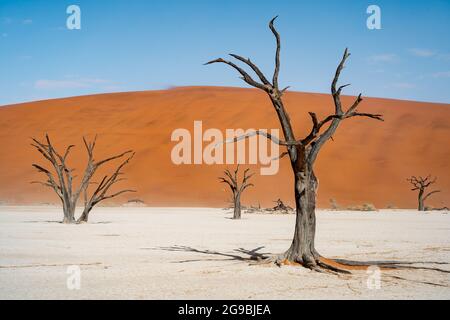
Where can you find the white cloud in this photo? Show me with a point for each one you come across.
(423, 53)
(27, 21)
(386, 57)
(68, 83)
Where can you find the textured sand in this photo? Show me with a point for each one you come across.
(368, 162)
(156, 253)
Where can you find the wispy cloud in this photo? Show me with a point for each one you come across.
(404, 85)
(68, 83)
(441, 74)
(444, 56)
(428, 53)
(27, 21)
(423, 53)
(385, 57)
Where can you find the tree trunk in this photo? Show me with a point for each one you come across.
(84, 216)
(69, 213)
(421, 201)
(237, 206)
(302, 249)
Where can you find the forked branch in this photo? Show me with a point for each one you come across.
(101, 192)
(334, 120)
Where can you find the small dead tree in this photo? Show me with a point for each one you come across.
(281, 206)
(422, 184)
(232, 180)
(302, 152)
(62, 182)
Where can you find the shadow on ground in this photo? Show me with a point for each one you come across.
(240, 254)
(255, 255)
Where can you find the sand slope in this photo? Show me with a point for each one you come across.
(367, 162)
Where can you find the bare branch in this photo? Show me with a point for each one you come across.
(67, 152)
(430, 193)
(244, 183)
(116, 194)
(284, 90)
(41, 169)
(232, 179)
(274, 93)
(99, 163)
(100, 193)
(230, 184)
(50, 182)
(277, 54)
(336, 92)
(420, 182)
(245, 76)
(260, 133)
(254, 67)
(247, 186)
(338, 116)
(281, 156)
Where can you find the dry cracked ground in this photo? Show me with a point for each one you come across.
(200, 253)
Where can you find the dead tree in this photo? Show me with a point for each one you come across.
(232, 180)
(62, 181)
(302, 152)
(422, 184)
(281, 206)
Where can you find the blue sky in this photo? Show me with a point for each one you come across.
(145, 45)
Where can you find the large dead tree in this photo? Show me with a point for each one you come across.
(421, 184)
(237, 187)
(60, 179)
(302, 152)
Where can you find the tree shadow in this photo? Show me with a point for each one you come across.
(386, 262)
(395, 265)
(255, 255)
(60, 222)
(43, 221)
(240, 254)
(100, 222)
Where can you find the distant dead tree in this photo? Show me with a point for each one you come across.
(237, 187)
(302, 152)
(62, 182)
(422, 184)
(281, 206)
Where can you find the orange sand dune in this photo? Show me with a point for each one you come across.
(368, 161)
